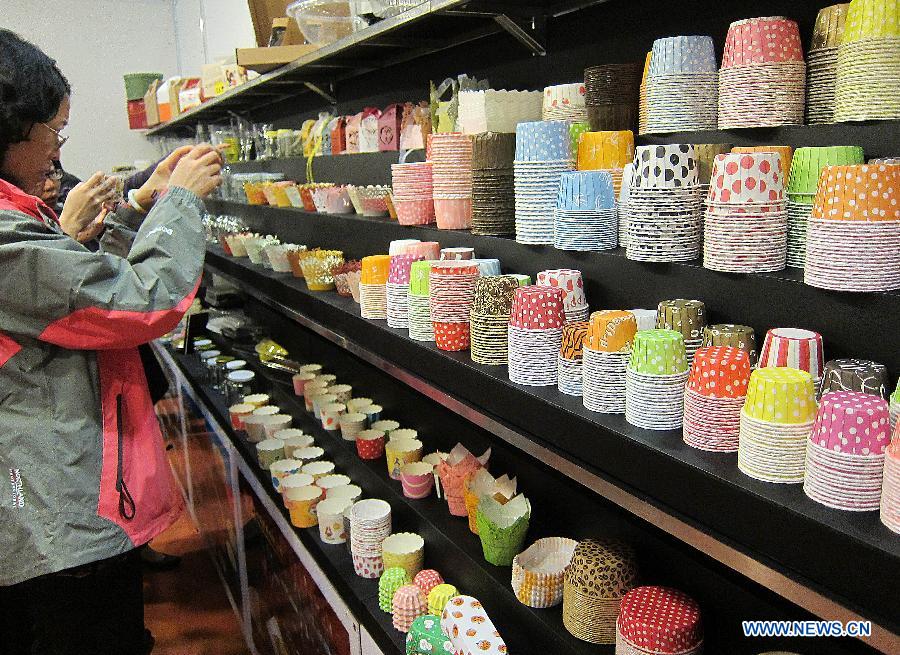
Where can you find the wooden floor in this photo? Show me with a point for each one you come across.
(186, 608)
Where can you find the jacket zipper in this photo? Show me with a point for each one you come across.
(127, 508)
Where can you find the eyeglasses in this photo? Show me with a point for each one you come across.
(60, 138)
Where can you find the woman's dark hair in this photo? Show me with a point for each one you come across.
(31, 88)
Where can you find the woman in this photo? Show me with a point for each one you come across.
(87, 478)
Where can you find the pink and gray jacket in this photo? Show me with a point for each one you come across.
(86, 476)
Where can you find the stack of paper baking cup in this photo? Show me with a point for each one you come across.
(890, 491)
(821, 63)
(535, 335)
(490, 317)
(611, 96)
(601, 573)
(370, 525)
(451, 172)
(845, 453)
(373, 286)
(398, 290)
(795, 348)
(419, 302)
(729, 334)
(569, 378)
(654, 380)
(412, 189)
(715, 393)
(642, 95)
(607, 348)
(493, 189)
(745, 225)
(543, 153)
(776, 422)
(564, 102)
(894, 401)
(762, 81)
(572, 285)
(806, 167)
(605, 151)
(585, 217)
(862, 375)
(622, 203)
(868, 65)
(681, 86)
(853, 240)
(685, 316)
(705, 154)
(663, 206)
(452, 289)
(659, 621)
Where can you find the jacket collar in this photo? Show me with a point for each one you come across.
(14, 199)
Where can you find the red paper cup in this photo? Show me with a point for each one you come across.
(451, 336)
(414, 212)
(762, 41)
(370, 446)
(453, 213)
(720, 372)
(538, 308)
(428, 250)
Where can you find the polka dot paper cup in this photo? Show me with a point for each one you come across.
(720, 372)
(439, 596)
(852, 422)
(427, 579)
(665, 167)
(762, 41)
(867, 192)
(658, 352)
(370, 444)
(538, 308)
(781, 395)
(747, 178)
(658, 620)
(871, 19)
(452, 337)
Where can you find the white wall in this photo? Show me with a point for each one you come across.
(209, 30)
(95, 42)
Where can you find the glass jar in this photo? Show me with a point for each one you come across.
(219, 371)
(208, 364)
(239, 384)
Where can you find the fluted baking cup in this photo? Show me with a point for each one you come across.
(470, 629)
(762, 40)
(795, 348)
(658, 352)
(538, 571)
(807, 165)
(282, 468)
(438, 597)
(408, 604)
(390, 581)
(425, 637)
(858, 193)
(861, 375)
(781, 395)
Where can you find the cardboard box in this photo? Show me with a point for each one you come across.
(263, 12)
(212, 77)
(151, 106)
(189, 94)
(262, 60)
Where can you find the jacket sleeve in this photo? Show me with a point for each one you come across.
(56, 290)
(120, 229)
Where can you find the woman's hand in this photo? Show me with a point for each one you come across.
(159, 180)
(198, 170)
(85, 202)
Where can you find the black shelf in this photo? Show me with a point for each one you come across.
(656, 466)
(852, 324)
(450, 547)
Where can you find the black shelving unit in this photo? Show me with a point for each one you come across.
(768, 549)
